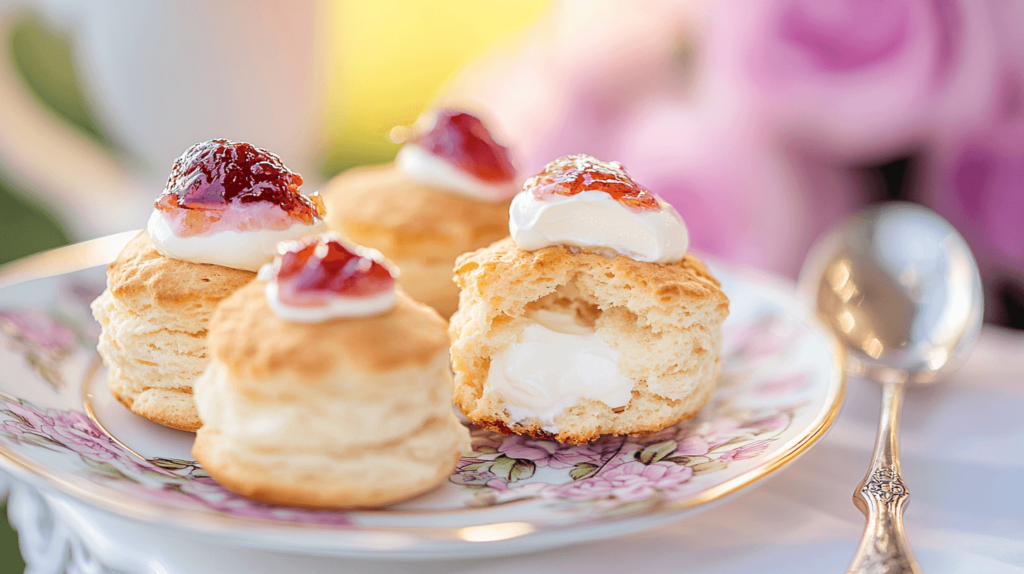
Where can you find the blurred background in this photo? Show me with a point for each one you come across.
(763, 121)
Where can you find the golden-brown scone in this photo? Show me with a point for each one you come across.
(422, 230)
(344, 413)
(154, 315)
(664, 321)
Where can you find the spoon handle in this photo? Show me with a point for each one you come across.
(881, 496)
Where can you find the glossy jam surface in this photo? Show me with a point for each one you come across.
(309, 273)
(463, 140)
(227, 185)
(575, 174)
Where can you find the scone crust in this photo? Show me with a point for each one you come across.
(172, 408)
(141, 274)
(253, 343)
(250, 476)
(525, 276)
(499, 283)
(378, 206)
(168, 303)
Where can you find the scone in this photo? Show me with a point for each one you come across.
(447, 193)
(225, 208)
(591, 319)
(327, 387)
(154, 314)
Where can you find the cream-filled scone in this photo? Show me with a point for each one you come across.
(591, 318)
(328, 387)
(224, 209)
(447, 193)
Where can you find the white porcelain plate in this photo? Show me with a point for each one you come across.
(781, 388)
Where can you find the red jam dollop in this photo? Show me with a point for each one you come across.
(575, 174)
(462, 139)
(310, 272)
(220, 185)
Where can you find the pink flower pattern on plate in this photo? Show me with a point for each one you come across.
(107, 460)
(606, 475)
(629, 482)
(43, 341)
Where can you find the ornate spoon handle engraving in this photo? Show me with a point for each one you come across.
(882, 496)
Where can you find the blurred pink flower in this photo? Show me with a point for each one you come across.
(628, 482)
(783, 385)
(556, 455)
(976, 181)
(38, 330)
(858, 80)
(70, 429)
(497, 484)
(692, 446)
(752, 116)
(519, 446)
(746, 451)
(722, 430)
(74, 431)
(757, 339)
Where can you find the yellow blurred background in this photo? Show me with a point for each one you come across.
(385, 62)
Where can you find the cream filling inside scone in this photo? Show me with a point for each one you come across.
(556, 361)
(247, 250)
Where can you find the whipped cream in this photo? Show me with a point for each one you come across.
(433, 171)
(556, 362)
(247, 250)
(334, 308)
(594, 220)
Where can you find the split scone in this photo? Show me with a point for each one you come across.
(591, 319)
(327, 387)
(447, 193)
(226, 206)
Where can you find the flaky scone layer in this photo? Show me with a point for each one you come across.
(421, 229)
(345, 413)
(153, 318)
(664, 320)
(376, 476)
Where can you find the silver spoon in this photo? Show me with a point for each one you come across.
(900, 288)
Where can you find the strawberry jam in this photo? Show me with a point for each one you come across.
(222, 185)
(575, 174)
(310, 272)
(461, 139)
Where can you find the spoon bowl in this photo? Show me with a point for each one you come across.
(900, 288)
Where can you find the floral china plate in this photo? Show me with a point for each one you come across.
(60, 429)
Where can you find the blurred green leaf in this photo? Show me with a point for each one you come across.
(502, 467)
(713, 466)
(172, 463)
(25, 228)
(10, 554)
(583, 470)
(522, 470)
(658, 451)
(46, 64)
